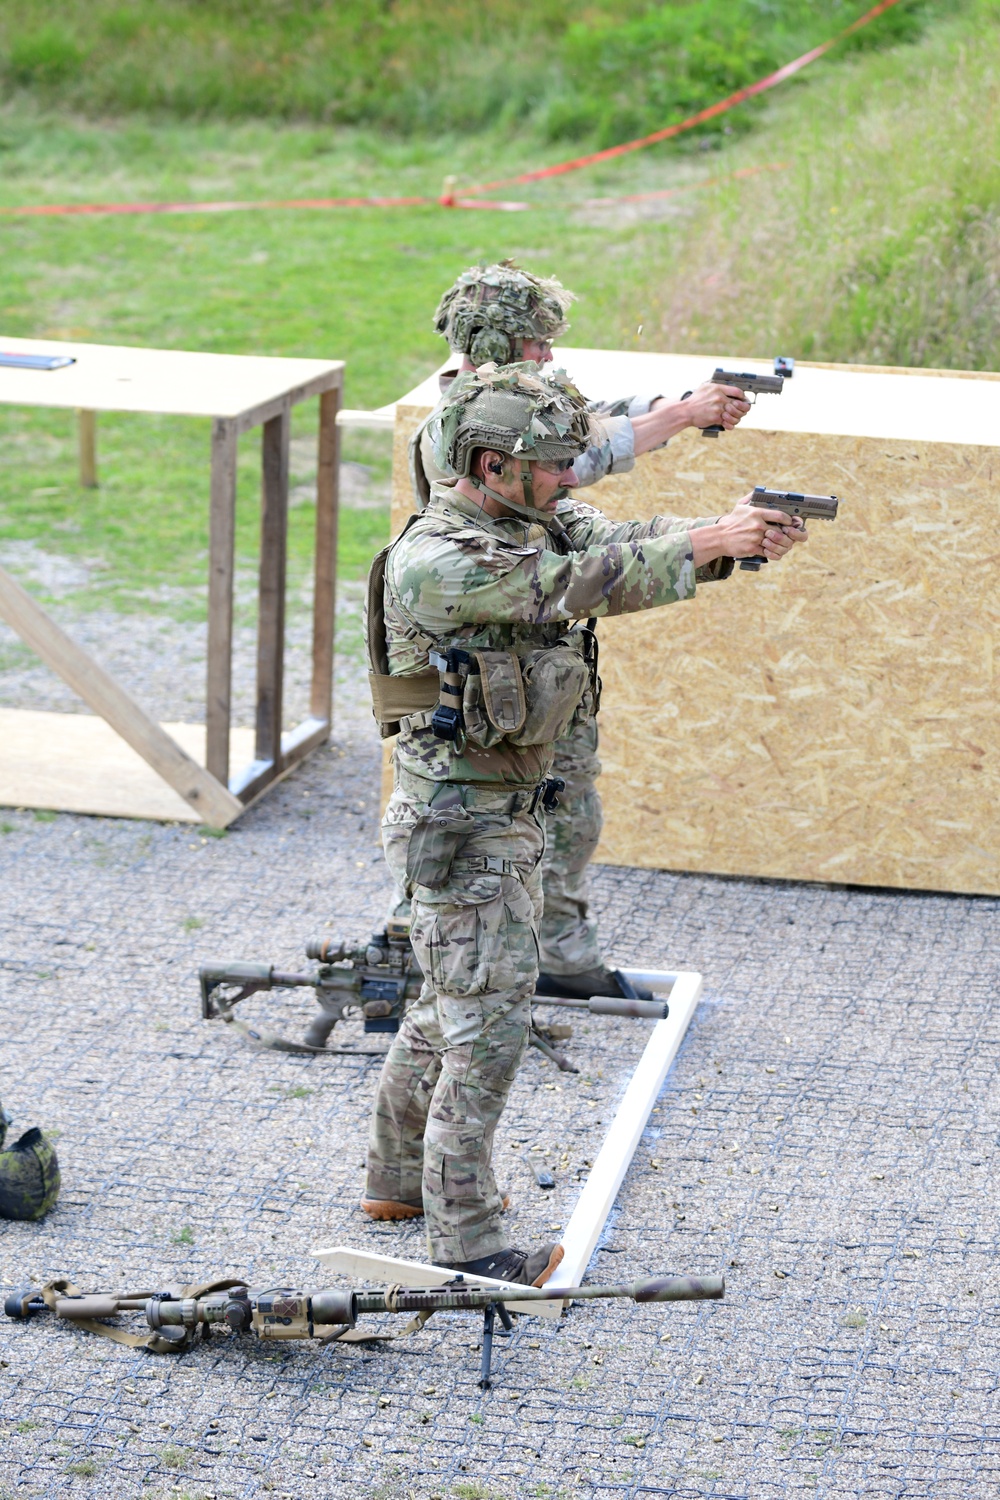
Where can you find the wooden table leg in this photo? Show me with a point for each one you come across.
(325, 591)
(222, 535)
(271, 607)
(86, 424)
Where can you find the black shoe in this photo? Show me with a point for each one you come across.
(591, 982)
(522, 1267)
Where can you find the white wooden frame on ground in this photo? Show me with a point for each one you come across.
(238, 393)
(601, 1188)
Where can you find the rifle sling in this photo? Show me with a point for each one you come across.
(61, 1287)
(360, 1336)
(261, 1037)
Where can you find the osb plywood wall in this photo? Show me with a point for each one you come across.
(832, 717)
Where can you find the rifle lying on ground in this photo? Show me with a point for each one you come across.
(809, 507)
(178, 1316)
(379, 980)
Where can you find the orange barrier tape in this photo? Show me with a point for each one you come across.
(710, 113)
(223, 206)
(450, 199)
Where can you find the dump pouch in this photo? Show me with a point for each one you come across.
(29, 1177)
(436, 839)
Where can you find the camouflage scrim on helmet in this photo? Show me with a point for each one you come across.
(491, 310)
(29, 1177)
(513, 409)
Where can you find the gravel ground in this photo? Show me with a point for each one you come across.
(826, 1138)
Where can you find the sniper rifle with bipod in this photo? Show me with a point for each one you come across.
(178, 1316)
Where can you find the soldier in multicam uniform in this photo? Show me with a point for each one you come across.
(502, 313)
(477, 656)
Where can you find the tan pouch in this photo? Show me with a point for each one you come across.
(556, 679)
(493, 705)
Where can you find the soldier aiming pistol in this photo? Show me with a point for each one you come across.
(749, 383)
(802, 507)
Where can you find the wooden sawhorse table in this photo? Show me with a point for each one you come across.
(238, 392)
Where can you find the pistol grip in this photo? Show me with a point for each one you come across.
(713, 431)
(753, 564)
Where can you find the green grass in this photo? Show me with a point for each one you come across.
(877, 242)
(614, 69)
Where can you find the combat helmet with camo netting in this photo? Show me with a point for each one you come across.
(517, 411)
(491, 310)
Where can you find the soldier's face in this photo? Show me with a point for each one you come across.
(548, 483)
(539, 350)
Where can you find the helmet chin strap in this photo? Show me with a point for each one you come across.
(527, 509)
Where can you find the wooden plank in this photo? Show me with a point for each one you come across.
(614, 1158)
(325, 568)
(258, 775)
(931, 406)
(383, 1270)
(76, 763)
(86, 430)
(221, 544)
(271, 593)
(214, 803)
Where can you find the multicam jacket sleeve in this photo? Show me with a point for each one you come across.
(450, 575)
(616, 454)
(588, 527)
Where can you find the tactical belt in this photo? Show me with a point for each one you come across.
(476, 796)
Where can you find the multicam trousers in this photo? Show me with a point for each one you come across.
(451, 1064)
(568, 937)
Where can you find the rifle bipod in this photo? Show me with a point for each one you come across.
(489, 1317)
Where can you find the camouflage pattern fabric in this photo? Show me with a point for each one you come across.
(611, 451)
(516, 409)
(568, 938)
(29, 1177)
(490, 310)
(458, 576)
(448, 1072)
